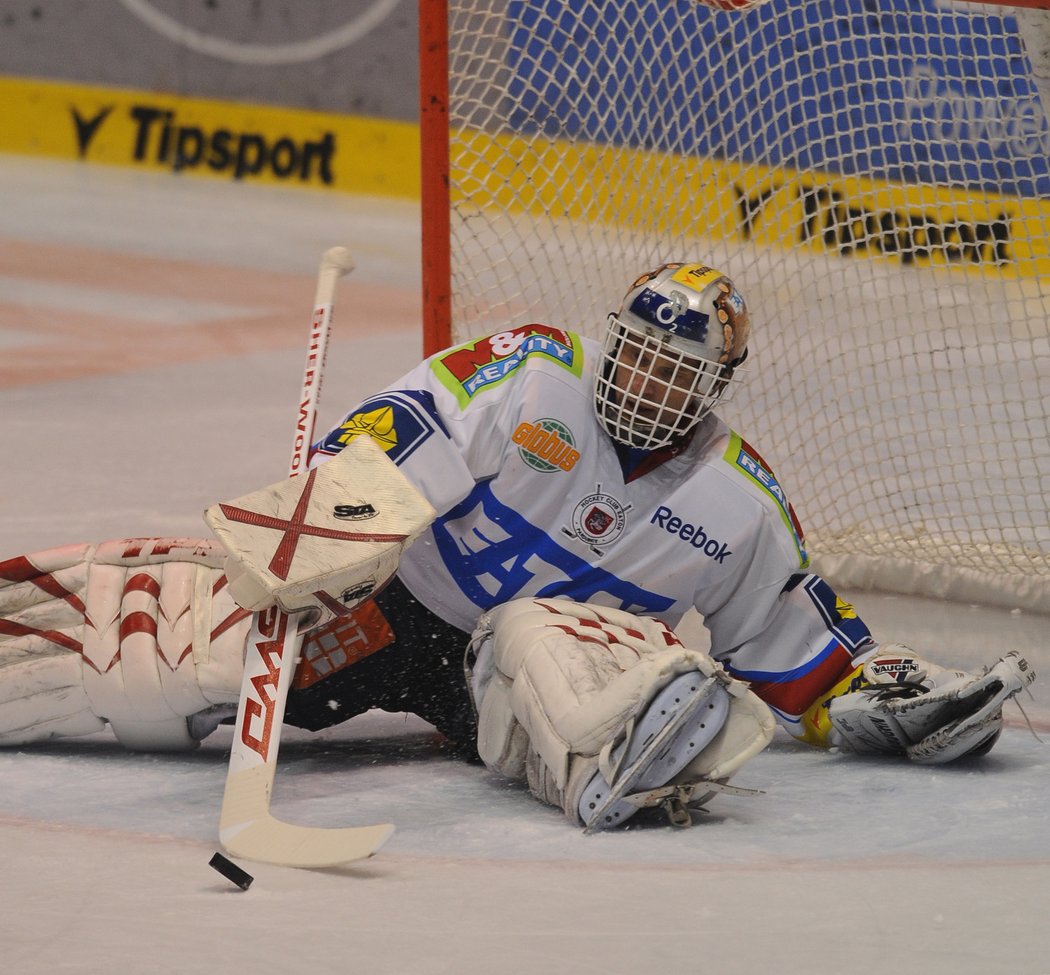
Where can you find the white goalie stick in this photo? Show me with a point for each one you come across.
(246, 827)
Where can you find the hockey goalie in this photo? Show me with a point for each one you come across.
(553, 507)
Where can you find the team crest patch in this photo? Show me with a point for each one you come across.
(598, 520)
(546, 445)
(476, 366)
(400, 422)
(377, 424)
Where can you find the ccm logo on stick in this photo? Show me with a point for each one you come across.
(693, 534)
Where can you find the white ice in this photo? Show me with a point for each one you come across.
(841, 865)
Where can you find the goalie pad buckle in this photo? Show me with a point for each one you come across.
(677, 800)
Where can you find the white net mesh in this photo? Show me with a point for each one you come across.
(872, 173)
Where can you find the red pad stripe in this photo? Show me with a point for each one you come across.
(143, 582)
(137, 623)
(20, 569)
(11, 628)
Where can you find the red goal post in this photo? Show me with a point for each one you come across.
(876, 180)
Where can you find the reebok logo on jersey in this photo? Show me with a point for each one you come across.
(695, 535)
(546, 445)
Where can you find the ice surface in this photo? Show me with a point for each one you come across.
(152, 333)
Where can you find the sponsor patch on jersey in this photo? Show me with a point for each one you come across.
(745, 458)
(400, 422)
(479, 365)
(515, 553)
(597, 520)
(546, 445)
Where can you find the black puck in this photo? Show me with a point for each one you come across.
(231, 871)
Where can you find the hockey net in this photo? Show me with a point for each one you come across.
(874, 176)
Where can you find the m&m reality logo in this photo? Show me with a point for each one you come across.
(476, 366)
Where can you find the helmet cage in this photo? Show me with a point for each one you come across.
(648, 392)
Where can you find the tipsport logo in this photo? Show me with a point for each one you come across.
(157, 135)
(546, 445)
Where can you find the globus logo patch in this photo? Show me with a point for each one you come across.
(479, 365)
(546, 445)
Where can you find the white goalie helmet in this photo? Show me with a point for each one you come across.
(669, 353)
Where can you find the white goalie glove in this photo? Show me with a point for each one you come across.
(138, 633)
(603, 713)
(899, 704)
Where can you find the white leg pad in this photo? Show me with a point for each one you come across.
(574, 697)
(137, 633)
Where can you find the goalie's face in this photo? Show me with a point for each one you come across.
(669, 354)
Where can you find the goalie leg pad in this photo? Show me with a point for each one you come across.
(593, 707)
(137, 633)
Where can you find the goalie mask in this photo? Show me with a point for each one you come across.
(669, 353)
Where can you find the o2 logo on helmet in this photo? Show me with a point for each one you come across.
(671, 313)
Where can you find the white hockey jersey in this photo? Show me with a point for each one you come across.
(534, 498)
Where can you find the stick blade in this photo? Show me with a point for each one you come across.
(283, 844)
(248, 831)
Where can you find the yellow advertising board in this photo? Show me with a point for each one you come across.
(204, 137)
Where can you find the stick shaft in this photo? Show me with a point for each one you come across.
(273, 642)
(335, 263)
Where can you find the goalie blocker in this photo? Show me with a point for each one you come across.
(322, 542)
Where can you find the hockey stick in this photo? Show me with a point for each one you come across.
(246, 827)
